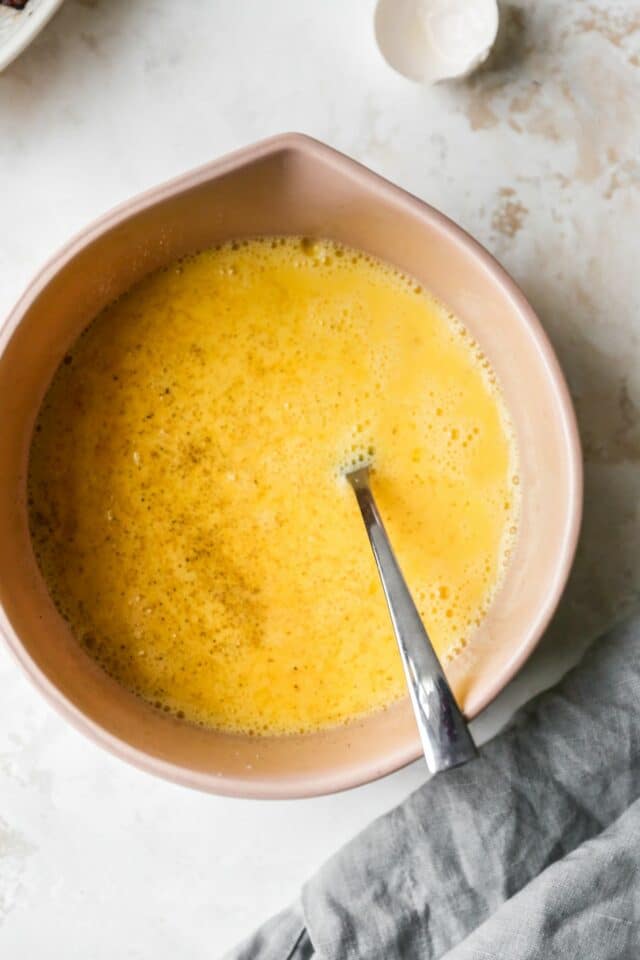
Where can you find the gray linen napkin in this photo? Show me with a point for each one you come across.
(532, 850)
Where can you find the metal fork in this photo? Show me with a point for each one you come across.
(445, 736)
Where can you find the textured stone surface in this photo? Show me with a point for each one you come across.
(537, 155)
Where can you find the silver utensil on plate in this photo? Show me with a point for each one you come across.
(445, 736)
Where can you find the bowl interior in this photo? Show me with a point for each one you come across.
(294, 186)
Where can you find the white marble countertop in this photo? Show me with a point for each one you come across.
(537, 156)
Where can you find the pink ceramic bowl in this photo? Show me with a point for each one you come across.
(293, 185)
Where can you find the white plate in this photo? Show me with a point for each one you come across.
(19, 27)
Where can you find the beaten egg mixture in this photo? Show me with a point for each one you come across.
(188, 505)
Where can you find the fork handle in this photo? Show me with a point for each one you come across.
(446, 740)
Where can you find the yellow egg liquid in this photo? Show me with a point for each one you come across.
(188, 505)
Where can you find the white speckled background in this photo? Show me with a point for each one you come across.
(538, 156)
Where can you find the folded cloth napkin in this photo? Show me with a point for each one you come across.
(530, 851)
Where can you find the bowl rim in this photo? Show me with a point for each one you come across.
(327, 782)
